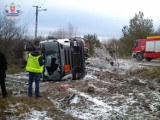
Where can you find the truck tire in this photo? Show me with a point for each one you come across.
(139, 56)
(148, 59)
(75, 76)
(44, 79)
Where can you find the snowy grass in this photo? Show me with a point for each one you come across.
(125, 91)
(14, 107)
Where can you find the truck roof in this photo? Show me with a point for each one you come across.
(153, 37)
(149, 39)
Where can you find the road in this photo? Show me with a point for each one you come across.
(155, 62)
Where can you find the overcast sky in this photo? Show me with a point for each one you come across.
(105, 18)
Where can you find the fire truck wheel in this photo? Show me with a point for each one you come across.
(148, 59)
(139, 56)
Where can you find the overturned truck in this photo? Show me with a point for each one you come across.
(63, 57)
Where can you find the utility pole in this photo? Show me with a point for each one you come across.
(36, 25)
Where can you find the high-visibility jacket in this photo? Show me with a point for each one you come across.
(33, 64)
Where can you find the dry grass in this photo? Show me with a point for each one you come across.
(150, 73)
(17, 106)
(14, 69)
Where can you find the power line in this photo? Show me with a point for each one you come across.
(43, 3)
(36, 2)
(28, 17)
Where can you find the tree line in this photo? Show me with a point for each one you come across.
(12, 36)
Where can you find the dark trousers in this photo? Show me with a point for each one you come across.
(34, 77)
(3, 87)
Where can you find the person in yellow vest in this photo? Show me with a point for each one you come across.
(35, 68)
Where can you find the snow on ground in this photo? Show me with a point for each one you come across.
(121, 66)
(33, 115)
(99, 109)
(114, 97)
(117, 105)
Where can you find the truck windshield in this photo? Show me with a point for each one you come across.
(50, 46)
(51, 49)
(52, 60)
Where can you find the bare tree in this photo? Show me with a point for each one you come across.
(68, 32)
(11, 36)
(60, 33)
(72, 31)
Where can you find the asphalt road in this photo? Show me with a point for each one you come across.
(155, 62)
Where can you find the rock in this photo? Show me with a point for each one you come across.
(90, 89)
(152, 87)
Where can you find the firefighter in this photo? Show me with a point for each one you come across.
(35, 68)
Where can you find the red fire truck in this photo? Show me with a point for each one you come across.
(148, 48)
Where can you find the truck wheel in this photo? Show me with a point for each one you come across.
(44, 79)
(139, 56)
(76, 76)
(148, 59)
